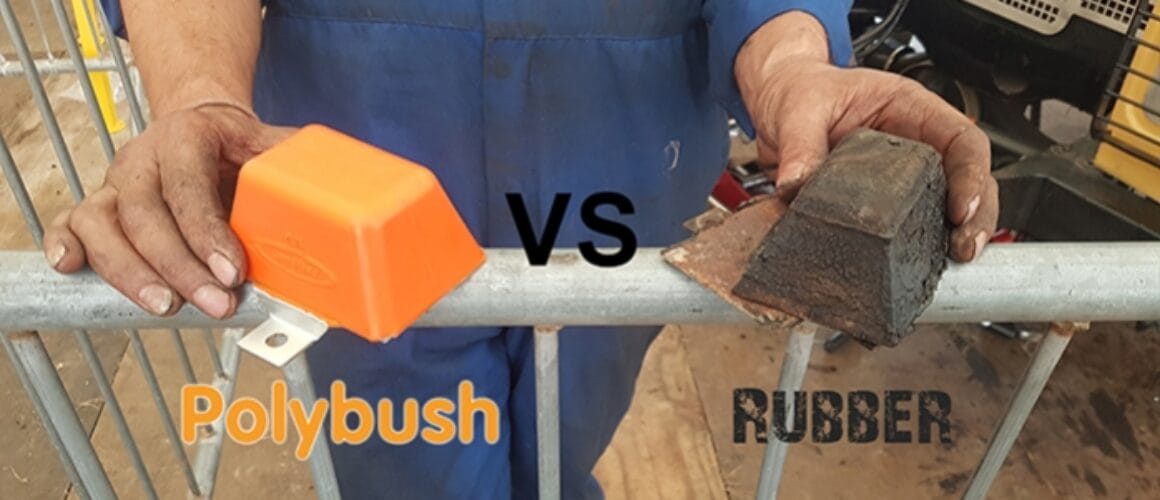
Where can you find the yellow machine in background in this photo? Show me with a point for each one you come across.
(1130, 147)
(92, 43)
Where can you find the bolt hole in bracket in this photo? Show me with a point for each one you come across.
(285, 334)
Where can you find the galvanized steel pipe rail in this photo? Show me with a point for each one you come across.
(1016, 282)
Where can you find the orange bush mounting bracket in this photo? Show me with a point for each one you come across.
(350, 234)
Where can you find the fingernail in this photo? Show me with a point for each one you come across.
(789, 185)
(157, 298)
(56, 255)
(223, 269)
(797, 169)
(972, 207)
(980, 241)
(213, 300)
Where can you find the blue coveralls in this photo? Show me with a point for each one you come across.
(532, 97)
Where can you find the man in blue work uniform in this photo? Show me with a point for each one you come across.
(502, 96)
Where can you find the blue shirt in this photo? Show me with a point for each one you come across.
(529, 96)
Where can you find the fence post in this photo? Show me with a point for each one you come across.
(547, 350)
(793, 373)
(209, 446)
(1026, 394)
(297, 374)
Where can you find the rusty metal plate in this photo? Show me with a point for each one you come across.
(717, 255)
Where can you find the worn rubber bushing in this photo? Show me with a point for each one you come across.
(864, 242)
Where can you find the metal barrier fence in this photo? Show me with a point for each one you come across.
(1040, 282)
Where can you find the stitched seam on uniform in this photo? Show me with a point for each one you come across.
(485, 158)
(548, 38)
(581, 38)
(350, 20)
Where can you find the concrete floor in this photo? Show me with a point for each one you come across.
(1096, 432)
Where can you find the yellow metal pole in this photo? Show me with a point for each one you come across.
(91, 43)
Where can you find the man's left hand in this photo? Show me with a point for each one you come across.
(801, 105)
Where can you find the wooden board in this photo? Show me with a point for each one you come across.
(663, 449)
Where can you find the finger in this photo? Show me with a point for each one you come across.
(967, 163)
(190, 179)
(270, 136)
(802, 146)
(265, 138)
(111, 255)
(243, 141)
(150, 228)
(766, 155)
(62, 248)
(968, 240)
(914, 112)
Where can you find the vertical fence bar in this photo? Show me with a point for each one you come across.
(35, 7)
(163, 410)
(78, 59)
(40, 96)
(138, 96)
(114, 409)
(216, 358)
(20, 192)
(183, 356)
(297, 374)
(30, 354)
(127, 83)
(42, 412)
(89, 41)
(1026, 394)
(209, 447)
(793, 374)
(547, 350)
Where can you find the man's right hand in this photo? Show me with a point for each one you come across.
(158, 229)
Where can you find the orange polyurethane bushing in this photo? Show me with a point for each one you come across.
(357, 236)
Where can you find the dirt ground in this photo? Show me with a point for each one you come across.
(1094, 434)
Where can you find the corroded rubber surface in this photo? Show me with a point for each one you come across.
(863, 245)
